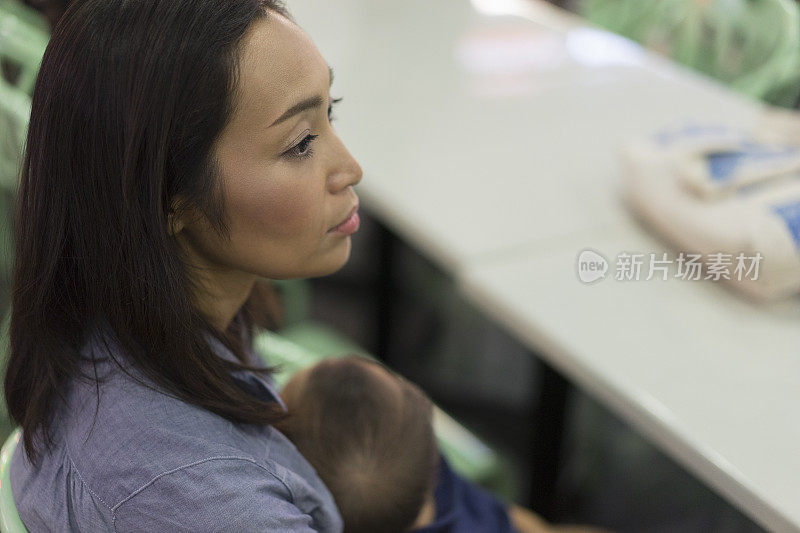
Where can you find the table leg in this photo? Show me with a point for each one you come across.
(385, 291)
(550, 415)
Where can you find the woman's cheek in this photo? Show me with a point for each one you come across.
(279, 212)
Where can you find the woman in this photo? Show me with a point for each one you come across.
(178, 152)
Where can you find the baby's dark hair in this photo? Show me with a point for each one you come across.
(373, 446)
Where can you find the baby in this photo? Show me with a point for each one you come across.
(368, 434)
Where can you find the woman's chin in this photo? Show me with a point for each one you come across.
(334, 260)
(343, 255)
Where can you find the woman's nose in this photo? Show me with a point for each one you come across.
(347, 173)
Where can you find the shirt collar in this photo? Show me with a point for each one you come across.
(259, 385)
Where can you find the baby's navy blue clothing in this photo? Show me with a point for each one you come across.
(463, 507)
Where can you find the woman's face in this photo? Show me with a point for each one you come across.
(287, 177)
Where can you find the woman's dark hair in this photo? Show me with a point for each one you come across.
(129, 99)
(372, 446)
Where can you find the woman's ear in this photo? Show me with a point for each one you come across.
(175, 222)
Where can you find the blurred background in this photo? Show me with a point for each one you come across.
(472, 367)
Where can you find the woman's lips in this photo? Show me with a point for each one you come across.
(349, 225)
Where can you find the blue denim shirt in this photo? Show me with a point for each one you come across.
(154, 463)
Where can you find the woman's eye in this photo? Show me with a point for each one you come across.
(303, 148)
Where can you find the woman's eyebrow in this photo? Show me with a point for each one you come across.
(308, 103)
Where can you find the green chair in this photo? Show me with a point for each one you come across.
(22, 44)
(23, 39)
(17, 105)
(6, 424)
(26, 13)
(9, 519)
(15, 111)
(751, 45)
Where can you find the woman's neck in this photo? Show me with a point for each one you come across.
(221, 291)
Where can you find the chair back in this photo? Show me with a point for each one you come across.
(22, 45)
(9, 519)
(752, 46)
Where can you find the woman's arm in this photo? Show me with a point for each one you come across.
(218, 494)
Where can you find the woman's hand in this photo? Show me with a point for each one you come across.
(526, 521)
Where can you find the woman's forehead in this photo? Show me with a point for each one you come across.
(279, 66)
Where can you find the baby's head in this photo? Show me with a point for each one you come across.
(368, 433)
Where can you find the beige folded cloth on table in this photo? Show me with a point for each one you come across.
(762, 217)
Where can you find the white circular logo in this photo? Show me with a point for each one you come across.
(592, 266)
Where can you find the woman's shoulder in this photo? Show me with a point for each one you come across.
(128, 453)
(124, 490)
(236, 494)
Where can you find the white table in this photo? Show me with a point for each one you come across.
(708, 377)
(489, 143)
